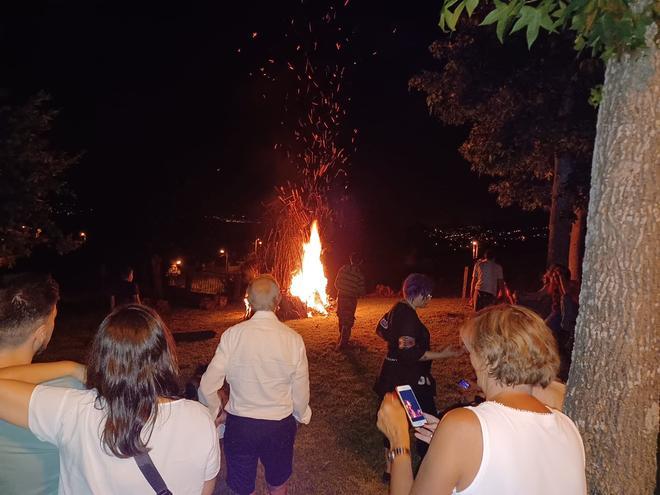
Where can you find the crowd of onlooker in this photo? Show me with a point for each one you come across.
(119, 424)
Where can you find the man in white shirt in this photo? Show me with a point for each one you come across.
(265, 364)
(487, 281)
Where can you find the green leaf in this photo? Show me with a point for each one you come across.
(526, 15)
(448, 3)
(596, 96)
(502, 24)
(492, 17)
(470, 5)
(547, 24)
(446, 15)
(533, 29)
(453, 18)
(441, 22)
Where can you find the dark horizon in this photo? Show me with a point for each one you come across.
(174, 129)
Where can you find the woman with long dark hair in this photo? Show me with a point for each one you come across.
(131, 407)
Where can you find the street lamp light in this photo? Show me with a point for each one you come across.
(257, 242)
(225, 253)
(475, 250)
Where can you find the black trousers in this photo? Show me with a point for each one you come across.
(346, 307)
(484, 299)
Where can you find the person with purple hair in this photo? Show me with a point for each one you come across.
(409, 358)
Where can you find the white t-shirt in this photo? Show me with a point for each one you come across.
(527, 453)
(487, 273)
(184, 445)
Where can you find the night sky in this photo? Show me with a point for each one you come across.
(174, 128)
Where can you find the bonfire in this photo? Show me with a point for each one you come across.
(309, 283)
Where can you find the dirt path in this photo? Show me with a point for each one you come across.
(340, 451)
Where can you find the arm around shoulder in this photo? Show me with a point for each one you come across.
(15, 402)
(43, 372)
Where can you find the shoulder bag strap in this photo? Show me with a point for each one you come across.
(151, 474)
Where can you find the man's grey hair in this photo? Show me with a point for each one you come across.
(263, 293)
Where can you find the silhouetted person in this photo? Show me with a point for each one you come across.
(125, 290)
(350, 285)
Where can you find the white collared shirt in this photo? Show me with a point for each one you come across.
(265, 364)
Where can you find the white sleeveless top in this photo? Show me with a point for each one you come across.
(527, 453)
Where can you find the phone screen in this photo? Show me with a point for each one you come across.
(412, 407)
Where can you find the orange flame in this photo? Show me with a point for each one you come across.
(309, 283)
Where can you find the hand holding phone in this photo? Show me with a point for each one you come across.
(411, 405)
(425, 433)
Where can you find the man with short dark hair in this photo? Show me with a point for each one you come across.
(350, 286)
(28, 306)
(265, 364)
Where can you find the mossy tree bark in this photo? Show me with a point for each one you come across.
(613, 385)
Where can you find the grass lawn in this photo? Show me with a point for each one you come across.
(340, 451)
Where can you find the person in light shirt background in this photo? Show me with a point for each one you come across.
(265, 363)
(488, 282)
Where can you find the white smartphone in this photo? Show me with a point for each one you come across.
(411, 405)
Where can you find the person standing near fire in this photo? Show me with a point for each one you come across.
(350, 286)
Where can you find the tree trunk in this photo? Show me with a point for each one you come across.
(157, 275)
(613, 384)
(576, 248)
(561, 212)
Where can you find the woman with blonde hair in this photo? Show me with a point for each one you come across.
(512, 443)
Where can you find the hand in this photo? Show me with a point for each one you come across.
(425, 433)
(221, 419)
(453, 351)
(393, 422)
(406, 342)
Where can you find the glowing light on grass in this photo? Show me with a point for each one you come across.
(309, 283)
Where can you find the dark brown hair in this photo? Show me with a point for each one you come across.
(26, 300)
(132, 363)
